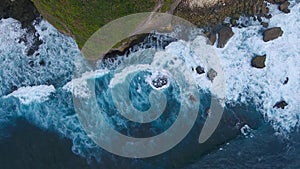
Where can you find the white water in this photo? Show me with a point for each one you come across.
(37, 94)
(242, 81)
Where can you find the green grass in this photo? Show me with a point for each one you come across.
(81, 18)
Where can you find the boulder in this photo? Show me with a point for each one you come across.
(284, 7)
(264, 24)
(258, 62)
(272, 33)
(224, 34)
(200, 70)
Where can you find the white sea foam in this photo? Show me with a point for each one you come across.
(283, 60)
(35, 94)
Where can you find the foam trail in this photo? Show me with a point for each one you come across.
(37, 94)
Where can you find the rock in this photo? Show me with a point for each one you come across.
(212, 74)
(286, 81)
(264, 24)
(264, 10)
(268, 16)
(42, 63)
(284, 7)
(258, 62)
(212, 37)
(259, 19)
(280, 104)
(200, 70)
(25, 12)
(233, 22)
(160, 82)
(272, 33)
(224, 34)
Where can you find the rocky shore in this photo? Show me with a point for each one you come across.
(209, 15)
(25, 12)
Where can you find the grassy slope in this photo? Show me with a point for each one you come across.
(81, 18)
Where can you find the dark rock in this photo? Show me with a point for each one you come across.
(212, 74)
(42, 63)
(212, 38)
(280, 104)
(233, 22)
(14, 88)
(160, 82)
(31, 63)
(225, 34)
(258, 62)
(25, 12)
(284, 7)
(272, 33)
(200, 70)
(269, 16)
(264, 24)
(264, 10)
(286, 80)
(259, 19)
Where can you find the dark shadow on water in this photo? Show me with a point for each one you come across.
(29, 147)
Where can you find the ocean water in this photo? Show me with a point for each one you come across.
(40, 89)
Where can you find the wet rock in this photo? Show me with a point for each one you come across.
(272, 33)
(259, 61)
(264, 24)
(224, 34)
(160, 82)
(281, 104)
(284, 7)
(233, 22)
(212, 38)
(264, 10)
(31, 63)
(25, 12)
(42, 63)
(200, 70)
(268, 16)
(286, 81)
(14, 88)
(211, 74)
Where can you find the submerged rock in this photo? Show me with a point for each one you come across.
(259, 62)
(224, 34)
(280, 104)
(211, 74)
(272, 33)
(200, 70)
